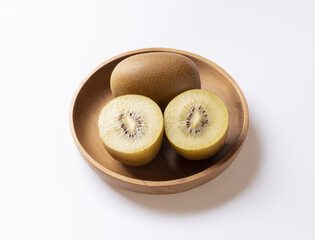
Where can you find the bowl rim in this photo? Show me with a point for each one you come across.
(160, 183)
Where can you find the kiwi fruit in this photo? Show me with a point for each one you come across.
(158, 75)
(131, 128)
(196, 124)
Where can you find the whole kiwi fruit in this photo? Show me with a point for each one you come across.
(160, 76)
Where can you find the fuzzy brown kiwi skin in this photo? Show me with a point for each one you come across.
(159, 75)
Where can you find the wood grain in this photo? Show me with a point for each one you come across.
(168, 172)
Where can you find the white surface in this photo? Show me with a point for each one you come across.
(47, 191)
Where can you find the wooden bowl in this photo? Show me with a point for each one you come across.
(168, 172)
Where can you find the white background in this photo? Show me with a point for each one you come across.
(47, 191)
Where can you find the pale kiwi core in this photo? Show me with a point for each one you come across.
(196, 120)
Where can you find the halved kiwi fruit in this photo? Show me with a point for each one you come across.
(131, 128)
(196, 124)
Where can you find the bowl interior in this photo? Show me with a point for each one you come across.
(167, 165)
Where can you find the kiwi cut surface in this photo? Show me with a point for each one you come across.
(131, 128)
(196, 124)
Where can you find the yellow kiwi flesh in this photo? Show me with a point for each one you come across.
(196, 124)
(131, 128)
(158, 75)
